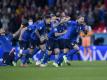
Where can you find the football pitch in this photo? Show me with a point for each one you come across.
(79, 70)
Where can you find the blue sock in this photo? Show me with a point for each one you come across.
(24, 58)
(40, 55)
(56, 58)
(46, 57)
(60, 58)
(35, 51)
(71, 53)
(17, 58)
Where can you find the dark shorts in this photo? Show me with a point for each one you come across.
(41, 43)
(24, 44)
(35, 43)
(8, 58)
(56, 44)
(50, 44)
(64, 43)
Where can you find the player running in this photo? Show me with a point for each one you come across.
(73, 30)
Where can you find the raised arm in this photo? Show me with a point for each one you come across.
(18, 32)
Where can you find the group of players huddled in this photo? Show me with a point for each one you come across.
(52, 34)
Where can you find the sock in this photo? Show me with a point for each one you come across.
(60, 58)
(70, 54)
(25, 56)
(67, 56)
(40, 55)
(35, 51)
(56, 58)
(23, 59)
(46, 57)
(28, 56)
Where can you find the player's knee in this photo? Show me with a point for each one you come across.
(43, 47)
(66, 50)
(49, 52)
(57, 51)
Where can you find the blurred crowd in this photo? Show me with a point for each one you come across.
(13, 12)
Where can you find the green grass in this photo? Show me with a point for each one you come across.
(77, 71)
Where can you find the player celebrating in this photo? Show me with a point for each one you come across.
(73, 30)
(53, 43)
(41, 36)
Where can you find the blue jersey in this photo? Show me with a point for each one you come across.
(51, 33)
(40, 26)
(76, 28)
(5, 43)
(33, 36)
(26, 35)
(73, 29)
(55, 28)
(32, 28)
(59, 29)
(9, 36)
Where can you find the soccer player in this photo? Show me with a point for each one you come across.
(55, 32)
(65, 38)
(33, 41)
(73, 30)
(52, 42)
(24, 43)
(34, 44)
(6, 43)
(49, 42)
(41, 35)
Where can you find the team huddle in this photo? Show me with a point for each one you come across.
(53, 34)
